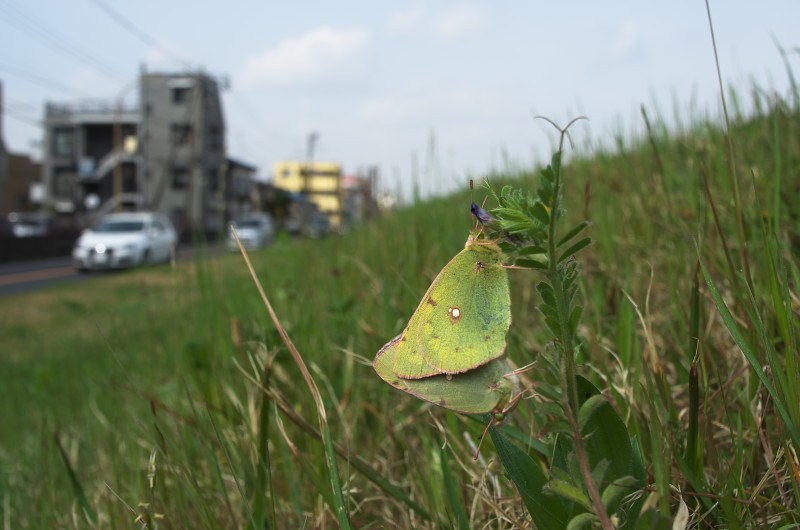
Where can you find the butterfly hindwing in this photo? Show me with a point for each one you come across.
(486, 389)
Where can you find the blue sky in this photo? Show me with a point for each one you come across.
(436, 92)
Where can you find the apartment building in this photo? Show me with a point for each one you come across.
(182, 144)
(167, 153)
(319, 182)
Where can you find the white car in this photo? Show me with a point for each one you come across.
(255, 230)
(125, 240)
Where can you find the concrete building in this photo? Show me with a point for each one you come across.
(90, 158)
(182, 143)
(19, 174)
(320, 182)
(165, 154)
(239, 189)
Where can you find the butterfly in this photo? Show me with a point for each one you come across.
(451, 353)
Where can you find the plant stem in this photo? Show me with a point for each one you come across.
(568, 381)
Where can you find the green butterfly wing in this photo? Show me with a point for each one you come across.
(486, 389)
(462, 321)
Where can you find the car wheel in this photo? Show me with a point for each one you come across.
(146, 257)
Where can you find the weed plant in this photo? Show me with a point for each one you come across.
(166, 398)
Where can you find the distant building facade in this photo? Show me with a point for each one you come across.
(320, 182)
(182, 143)
(19, 175)
(85, 155)
(167, 154)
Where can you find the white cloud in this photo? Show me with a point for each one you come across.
(407, 21)
(447, 25)
(320, 53)
(459, 21)
(428, 105)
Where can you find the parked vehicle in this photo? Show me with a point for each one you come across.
(125, 240)
(24, 224)
(255, 230)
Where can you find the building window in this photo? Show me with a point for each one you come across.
(181, 133)
(62, 183)
(180, 178)
(180, 95)
(63, 142)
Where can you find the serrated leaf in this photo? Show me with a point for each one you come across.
(577, 229)
(583, 243)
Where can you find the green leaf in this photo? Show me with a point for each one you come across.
(456, 504)
(570, 492)
(531, 264)
(653, 520)
(583, 243)
(588, 408)
(531, 249)
(616, 491)
(553, 325)
(546, 512)
(752, 358)
(547, 294)
(582, 520)
(575, 317)
(609, 437)
(540, 213)
(580, 227)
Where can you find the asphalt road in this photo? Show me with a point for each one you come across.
(27, 276)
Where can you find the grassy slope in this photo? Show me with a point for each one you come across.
(137, 372)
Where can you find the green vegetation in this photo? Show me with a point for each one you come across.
(167, 397)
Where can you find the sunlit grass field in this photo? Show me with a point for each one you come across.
(135, 400)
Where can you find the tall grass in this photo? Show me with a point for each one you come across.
(166, 397)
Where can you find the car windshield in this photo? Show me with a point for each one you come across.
(120, 226)
(248, 223)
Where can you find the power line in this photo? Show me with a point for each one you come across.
(5, 111)
(137, 32)
(21, 19)
(42, 81)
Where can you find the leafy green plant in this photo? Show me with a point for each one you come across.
(592, 463)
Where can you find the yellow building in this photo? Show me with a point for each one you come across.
(319, 181)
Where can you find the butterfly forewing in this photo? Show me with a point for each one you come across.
(466, 317)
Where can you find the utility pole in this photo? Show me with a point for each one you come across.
(310, 146)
